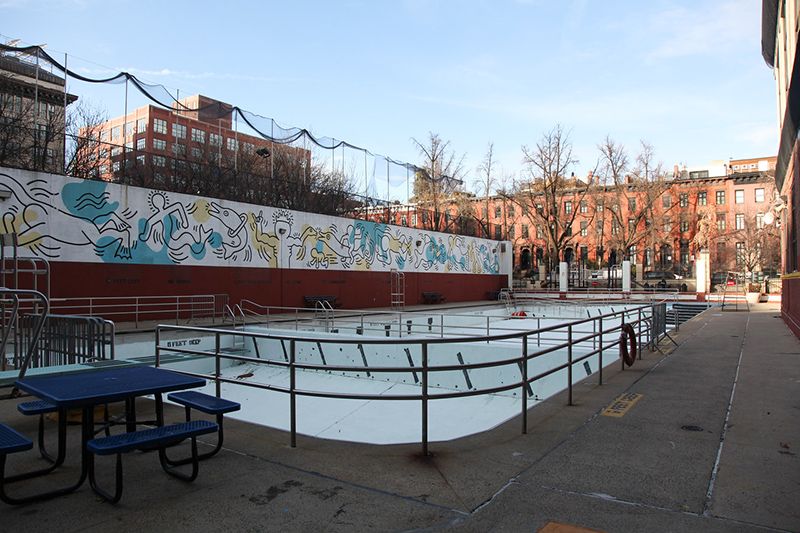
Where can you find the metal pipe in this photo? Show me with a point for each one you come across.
(425, 399)
(292, 394)
(524, 389)
(569, 361)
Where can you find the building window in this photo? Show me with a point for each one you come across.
(511, 211)
(159, 160)
(179, 131)
(104, 136)
(116, 150)
(759, 195)
(249, 148)
(584, 228)
(684, 199)
(115, 133)
(696, 174)
(233, 144)
(702, 198)
(159, 144)
(631, 204)
(511, 232)
(159, 126)
(667, 225)
(738, 196)
(721, 221)
(198, 136)
(179, 149)
(568, 231)
(524, 231)
(140, 143)
(598, 226)
(497, 234)
(720, 197)
(631, 226)
(497, 211)
(759, 220)
(140, 159)
(197, 153)
(115, 166)
(739, 221)
(599, 206)
(540, 209)
(568, 207)
(584, 206)
(666, 201)
(141, 125)
(539, 232)
(648, 256)
(684, 226)
(614, 226)
(214, 139)
(739, 254)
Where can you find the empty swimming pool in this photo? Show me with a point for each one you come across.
(399, 377)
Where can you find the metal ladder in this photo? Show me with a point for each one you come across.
(507, 297)
(323, 310)
(397, 289)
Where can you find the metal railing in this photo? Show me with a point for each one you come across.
(589, 337)
(21, 300)
(68, 339)
(135, 309)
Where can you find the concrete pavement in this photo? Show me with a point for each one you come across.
(711, 445)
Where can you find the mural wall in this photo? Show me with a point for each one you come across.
(73, 220)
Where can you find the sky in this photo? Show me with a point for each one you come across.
(685, 76)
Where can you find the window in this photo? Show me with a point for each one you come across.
(484, 213)
(684, 226)
(739, 254)
(115, 133)
(524, 231)
(233, 144)
(115, 166)
(511, 211)
(631, 204)
(759, 220)
(249, 148)
(497, 235)
(159, 144)
(720, 197)
(568, 207)
(702, 198)
(140, 159)
(759, 195)
(159, 126)
(116, 151)
(179, 149)
(140, 143)
(584, 228)
(568, 231)
(738, 196)
(720, 251)
(179, 131)
(539, 232)
(739, 221)
(684, 199)
(159, 160)
(696, 174)
(540, 209)
(497, 211)
(214, 139)
(197, 153)
(615, 227)
(130, 127)
(631, 226)
(141, 125)
(632, 253)
(666, 201)
(599, 226)
(721, 221)
(104, 136)
(584, 206)
(599, 206)
(667, 225)
(198, 136)
(648, 256)
(511, 232)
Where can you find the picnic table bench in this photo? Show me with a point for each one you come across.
(432, 297)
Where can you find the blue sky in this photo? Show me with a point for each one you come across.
(686, 76)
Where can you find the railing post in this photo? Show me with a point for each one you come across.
(400, 323)
(569, 360)
(639, 336)
(425, 399)
(621, 340)
(217, 366)
(441, 325)
(292, 396)
(158, 347)
(677, 324)
(524, 389)
(600, 369)
(487, 328)
(538, 332)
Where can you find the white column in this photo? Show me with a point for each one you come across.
(563, 270)
(702, 272)
(626, 276)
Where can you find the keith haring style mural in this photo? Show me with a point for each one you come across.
(69, 219)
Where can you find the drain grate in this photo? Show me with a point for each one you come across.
(692, 428)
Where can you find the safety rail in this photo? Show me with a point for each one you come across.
(135, 309)
(68, 339)
(605, 334)
(22, 299)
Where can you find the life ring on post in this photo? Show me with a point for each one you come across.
(627, 338)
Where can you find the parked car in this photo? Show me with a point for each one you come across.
(718, 278)
(660, 274)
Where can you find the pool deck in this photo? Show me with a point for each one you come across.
(735, 376)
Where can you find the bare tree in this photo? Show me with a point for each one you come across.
(549, 195)
(486, 182)
(437, 180)
(82, 149)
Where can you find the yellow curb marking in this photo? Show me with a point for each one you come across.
(622, 405)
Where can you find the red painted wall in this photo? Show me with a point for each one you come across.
(276, 287)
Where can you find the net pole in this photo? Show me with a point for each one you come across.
(64, 146)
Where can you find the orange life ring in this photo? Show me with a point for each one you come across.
(627, 337)
(519, 313)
